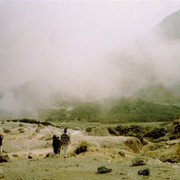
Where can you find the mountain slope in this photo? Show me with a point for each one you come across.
(170, 26)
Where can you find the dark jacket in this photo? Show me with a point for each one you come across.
(56, 144)
(1, 139)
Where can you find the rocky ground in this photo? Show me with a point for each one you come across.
(28, 144)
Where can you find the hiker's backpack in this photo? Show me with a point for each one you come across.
(64, 139)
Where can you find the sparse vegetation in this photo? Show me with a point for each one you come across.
(82, 147)
(138, 110)
(118, 111)
(58, 114)
(86, 112)
(86, 153)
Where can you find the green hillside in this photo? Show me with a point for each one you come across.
(121, 110)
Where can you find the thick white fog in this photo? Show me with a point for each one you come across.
(82, 49)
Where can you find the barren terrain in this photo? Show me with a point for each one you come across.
(28, 145)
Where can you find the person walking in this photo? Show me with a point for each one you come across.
(65, 141)
(56, 144)
(1, 142)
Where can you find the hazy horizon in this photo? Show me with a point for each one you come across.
(82, 49)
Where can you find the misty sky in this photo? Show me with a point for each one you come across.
(76, 46)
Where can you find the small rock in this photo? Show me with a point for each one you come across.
(7, 131)
(14, 155)
(138, 161)
(21, 125)
(144, 172)
(156, 133)
(103, 170)
(50, 155)
(4, 158)
(29, 157)
(122, 154)
(113, 131)
(21, 130)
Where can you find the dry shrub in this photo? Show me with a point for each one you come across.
(82, 147)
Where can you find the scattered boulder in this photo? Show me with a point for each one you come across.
(170, 158)
(156, 133)
(103, 170)
(15, 155)
(133, 130)
(172, 137)
(29, 157)
(4, 158)
(89, 129)
(21, 130)
(175, 131)
(21, 125)
(144, 172)
(113, 131)
(136, 130)
(138, 161)
(169, 131)
(122, 130)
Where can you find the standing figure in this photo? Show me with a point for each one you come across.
(1, 143)
(56, 145)
(65, 141)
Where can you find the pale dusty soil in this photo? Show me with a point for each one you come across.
(36, 141)
(83, 168)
